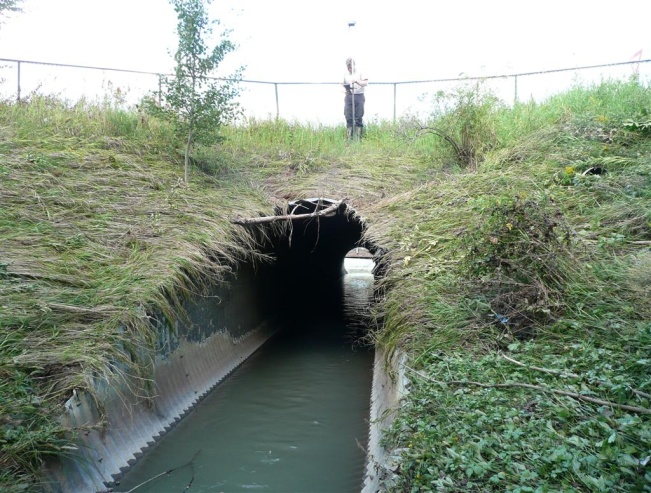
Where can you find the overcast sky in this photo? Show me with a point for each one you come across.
(302, 40)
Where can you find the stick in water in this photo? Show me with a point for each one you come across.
(168, 472)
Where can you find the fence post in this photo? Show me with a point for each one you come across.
(18, 90)
(395, 86)
(515, 99)
(277, 105)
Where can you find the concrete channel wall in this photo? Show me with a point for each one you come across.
(389, 386)
(222, 331)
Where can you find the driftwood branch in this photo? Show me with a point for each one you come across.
(544, 370)
(574, 395)
(565, 374)
(189, 485)
(642, 394)
(287, 217)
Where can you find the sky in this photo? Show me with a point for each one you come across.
(309, 40)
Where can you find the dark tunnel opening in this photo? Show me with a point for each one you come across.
(307, 242)
(317, 246)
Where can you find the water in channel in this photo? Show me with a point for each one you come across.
(292, 418)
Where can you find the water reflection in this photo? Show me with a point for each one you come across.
(358, 284)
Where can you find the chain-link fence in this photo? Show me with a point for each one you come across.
(314, 102)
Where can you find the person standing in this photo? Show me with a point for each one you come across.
(354, 84)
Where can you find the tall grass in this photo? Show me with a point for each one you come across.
(97, 232)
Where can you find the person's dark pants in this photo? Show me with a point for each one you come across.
(359, 110)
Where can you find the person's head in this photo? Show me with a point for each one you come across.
(350, 64)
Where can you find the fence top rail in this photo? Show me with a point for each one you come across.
(429, 81)
(519, 74)
(68, 65)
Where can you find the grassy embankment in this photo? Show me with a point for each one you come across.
(519, 287)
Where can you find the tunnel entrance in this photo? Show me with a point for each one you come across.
(294, 416)
(313, 243)
(311, 238)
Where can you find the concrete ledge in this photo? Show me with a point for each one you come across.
(389, 385)
(108, 450)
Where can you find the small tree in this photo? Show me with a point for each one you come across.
(9, 6)
(465, 119)
(195, 102)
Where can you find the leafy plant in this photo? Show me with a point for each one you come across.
(465, 119)
(9, 6)
(485, 423)
(641, 125)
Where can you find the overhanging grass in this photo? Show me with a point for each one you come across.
(97, 232)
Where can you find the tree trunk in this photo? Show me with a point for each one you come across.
(188, 145)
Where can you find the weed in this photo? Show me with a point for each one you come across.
(465, 119)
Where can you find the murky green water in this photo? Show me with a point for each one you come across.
(293, 418)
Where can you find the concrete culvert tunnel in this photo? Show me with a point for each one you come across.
(306, 243)
(317, 234)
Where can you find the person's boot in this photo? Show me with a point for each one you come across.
(358, 130)
(349, 135)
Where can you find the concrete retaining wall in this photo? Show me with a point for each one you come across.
(389, 385)
(223, 330)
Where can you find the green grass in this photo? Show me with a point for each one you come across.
(512, 276)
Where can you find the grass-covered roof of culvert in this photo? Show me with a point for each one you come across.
(519, 270)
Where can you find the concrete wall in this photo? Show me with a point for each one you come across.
(223, 330)
(389, 386)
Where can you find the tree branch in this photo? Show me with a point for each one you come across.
(545, 370)
(170, 471)
(574, 395)
(565, 373)
(288, 217)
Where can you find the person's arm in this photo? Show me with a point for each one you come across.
(361, 81)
